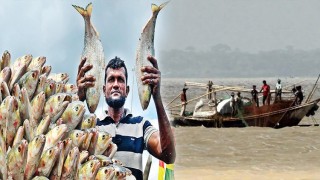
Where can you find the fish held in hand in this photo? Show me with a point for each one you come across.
(94, 53)
(145, 49)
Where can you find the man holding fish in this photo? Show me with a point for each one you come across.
(131, 134)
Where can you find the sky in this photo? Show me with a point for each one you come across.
(249, 25)
(56, 30)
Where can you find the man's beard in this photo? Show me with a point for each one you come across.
(116, 103)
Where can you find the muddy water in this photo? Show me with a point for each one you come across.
(246, 153)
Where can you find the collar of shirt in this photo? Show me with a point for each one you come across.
(106, 116)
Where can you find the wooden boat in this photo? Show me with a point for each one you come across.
(275, 115)
(281, 113)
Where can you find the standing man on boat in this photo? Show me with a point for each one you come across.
(266, 92)
(183, 97)
(299, 95)
(278, 90)
(232, 104)
(254, 94)
(239, 103)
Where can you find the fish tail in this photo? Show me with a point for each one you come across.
(155, 8)
(84, 12)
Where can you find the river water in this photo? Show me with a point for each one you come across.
(245, 153)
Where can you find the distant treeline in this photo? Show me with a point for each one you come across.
(222, 61)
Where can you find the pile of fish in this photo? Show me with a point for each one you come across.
(44, 131)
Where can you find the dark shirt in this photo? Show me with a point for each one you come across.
(254, 93)
(299, 97)
(183, 97)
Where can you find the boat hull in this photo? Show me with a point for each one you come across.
(276, 116)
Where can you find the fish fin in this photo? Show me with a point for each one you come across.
(89, 9)
(80, 10)
(156, 8)
(84, 12)
(163, 4)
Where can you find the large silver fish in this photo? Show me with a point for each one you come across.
(5, 62)
(55, 105)
(29, 80)
(5, 74)
(16, 160)
(19, 68)
(94, 53)
(145, 49)
(37, 63)
(89, 169)
(47, 161)
(35, 148)
(57, 168)
(70, 166)
(3, 152)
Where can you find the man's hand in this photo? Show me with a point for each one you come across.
(153, 76)
(84, 81)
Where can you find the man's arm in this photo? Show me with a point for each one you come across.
(160, 144)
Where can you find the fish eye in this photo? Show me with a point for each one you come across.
(19, 149)
(76, 108)
(50, 151)
(91, 165)
(77, 135)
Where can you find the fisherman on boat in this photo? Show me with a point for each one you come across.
(266, 92)
(299, 95)
(254, 94)
(239, 103)
(232, 104)
(183, 97)
(278, 89)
